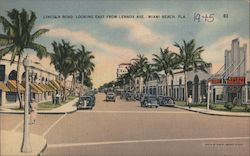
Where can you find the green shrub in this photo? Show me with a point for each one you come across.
(211, 106)
(247, 108)
(229, 106)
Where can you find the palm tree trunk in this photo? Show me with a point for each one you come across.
(72, 88)
(186, 90)
(166, 85)
(17, 83)
(64, 89)
(82, 78)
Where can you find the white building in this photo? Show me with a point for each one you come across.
(42, 76)
(175, 87)
(237, 72)
(122, 69)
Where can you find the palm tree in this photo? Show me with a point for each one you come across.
(190, 59)
(166, 62)
(18, 36)
(85, 64)
(62, 60)
(145, 70)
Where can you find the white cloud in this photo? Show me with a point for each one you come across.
(138, 32)
(107, 55)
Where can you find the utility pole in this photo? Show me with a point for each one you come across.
(208, 95)
(26, 147)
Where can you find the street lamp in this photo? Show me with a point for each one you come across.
(26, 147)
(208, 95)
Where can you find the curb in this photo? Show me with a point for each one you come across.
(210, 113)
(18, 112)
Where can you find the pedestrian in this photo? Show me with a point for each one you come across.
(53, 98)
(57, 98)
(33, 113)
(189, 101)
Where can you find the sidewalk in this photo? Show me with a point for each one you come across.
(66, 108)
(213, 112)
(11, 144)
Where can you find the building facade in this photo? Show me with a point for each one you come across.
(122, 69)
(174, 86)
(236, 73)
(43, 82)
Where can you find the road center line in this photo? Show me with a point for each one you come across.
(129, 112)
(17, 126)
(51, 126)
(142, 141)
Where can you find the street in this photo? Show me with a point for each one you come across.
(125, 128)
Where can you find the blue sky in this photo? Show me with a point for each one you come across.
(114, 41)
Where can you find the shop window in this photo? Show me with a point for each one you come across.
(11, 96)
(13, 75)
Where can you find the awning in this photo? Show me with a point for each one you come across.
(39, 87)
(42, 86)
(3, 87)
(49, 89)
(52, 86)
(33, 87)
(56, 84)
(11, 84)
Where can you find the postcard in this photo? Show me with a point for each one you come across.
(125, 78)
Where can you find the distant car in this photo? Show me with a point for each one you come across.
(166, 101)
(110, 96)
(85, 102)
(149, 101)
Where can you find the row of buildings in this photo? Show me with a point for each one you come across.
(44, 81)
(232, 81)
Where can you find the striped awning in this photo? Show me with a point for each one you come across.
(11, 84)
(3, 87)
(56, 84)
(52, 86)
(33, 87)
(39, 87)
(49, 89)
(43, 87)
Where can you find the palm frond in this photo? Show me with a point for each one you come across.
(40, 49)
(38, 33)
(6, 50)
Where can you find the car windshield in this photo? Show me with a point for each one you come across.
(85, 98)
(110, 93)
(152, 98)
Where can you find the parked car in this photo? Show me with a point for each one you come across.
(130, 96)
(166, 101)
(110, 96)
(92, 94)
(85, 102)
(149, 101)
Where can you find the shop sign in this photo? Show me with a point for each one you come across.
(215, 81)
(236, 80)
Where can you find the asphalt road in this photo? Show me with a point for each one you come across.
(124, 128)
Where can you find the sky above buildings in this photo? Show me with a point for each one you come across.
(116, 40)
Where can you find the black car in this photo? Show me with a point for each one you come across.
(166, 101)
(85, 102)
(149, 101)
(110, 96)
(129, 96)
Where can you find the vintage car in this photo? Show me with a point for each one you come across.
(149, 101)
(110, 96)
(166, 101)
(85, 102)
